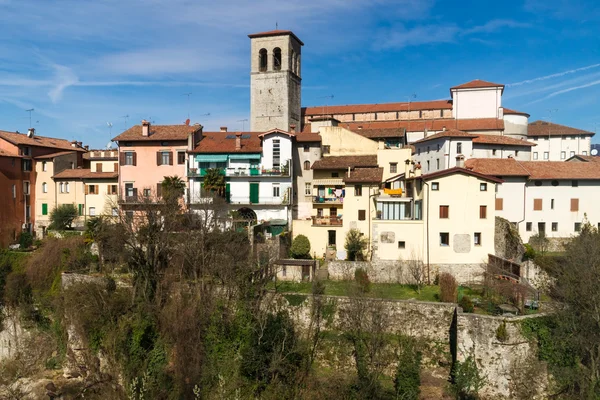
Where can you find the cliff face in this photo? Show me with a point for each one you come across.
(507, 241)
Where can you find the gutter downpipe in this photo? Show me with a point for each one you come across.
(370, 248)
(427, 235)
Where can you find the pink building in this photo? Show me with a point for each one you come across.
(149, 153)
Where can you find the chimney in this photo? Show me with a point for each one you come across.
(238, 140)
(30, 132)
(145, 128)
(444, 128)
(223, 129)
(194, 137)
(418, 171)
(86, 147)
(293, 128)
(381, 145)
(460, 161)
(73, 144)
(349, 172)
(406, 168)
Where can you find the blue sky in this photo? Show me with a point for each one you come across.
(81, 64)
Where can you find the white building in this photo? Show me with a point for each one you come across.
(256, 167)
(557, 142)
(551, 197)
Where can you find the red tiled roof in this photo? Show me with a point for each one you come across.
(158, 132)
(458, 170)
(419, 125)
(536, 169)
(449, 133)
(4, 153)
(308, 137)
(579, 157)
(364, 175)
(367, 108)
(85, 174)
(40, 141)
(307, 128)
(544, 128)
(502, 140)
(343, 162)
(277, 32)
(52, 155)
(224, 142)
(508, 111)
(477, 83)
(289, 134)
(381, 132)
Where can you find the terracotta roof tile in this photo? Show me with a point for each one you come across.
(508, 111)
(343, 162)
(458, 170)
(447, 134)
(307, 128)
(477, 83)
(224, 142)
(419, 125)
(502, 140)
(4, 153)
(308, 137)
(157, 132)
(579, 157)
(536, 169)
(80, 173)
(544, 128)
(40, 141)
(58, 154)
(374, 133)
(364, 175)
(367, 108)
(276, 32)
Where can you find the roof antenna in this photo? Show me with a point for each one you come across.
(126, 118)
(243, 121)
(276, 25)
(188, 102)
(330, 97)
(30, 111)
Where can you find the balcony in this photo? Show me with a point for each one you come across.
(328, 200)
(200, 172)
(241, 172)
(245, 200)
(326, 221)
(393, 192)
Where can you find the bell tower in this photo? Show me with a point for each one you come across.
(275, 80)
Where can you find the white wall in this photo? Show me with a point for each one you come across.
(446, 153)
(476, 103)
(267, 149)
(515, 125)
(555, 145)
(522, 153)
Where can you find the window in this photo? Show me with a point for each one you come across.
(262, 60)
(435, 186)
(358, 190)
(437, 163)
(72, 165)
(572, 154)
(574, 204)
(335, 174)
(80, 209)
(307, 189)
(459, 148)
(402, 244)
(26, 151)
(584, 153)
(164, 143)
(499, 204)
(333, 212)
(129, 158)
(554, 226)
(552, 204)
(537, 204)
(535, 155)
(477, 238)
(493, 152)
(427, 149)
(362, 215)
(67, 187)
(112, 189)
(92, 212)
(26, 165)
(115, 212)
(393, 168)
(164, 158)
(331, 238)
(542, 228)
(129, 190)
(546, 155)
(44, 208)
(99, 167)
(574, 183)
(444, 239)
(537, 183)
(554, 183)
(276, 153)
(44, 187)
(577, 226)
(306, 165)
(388, 210)
(61, 187)
(482, 212)
(44, 166)
(418, 151)
(563, 155)
(444, 211)
(275, 190)
(483, 187)
(428, 166)
(326, 149)
(438, 147)
(180, 157)
(277, 59)
(528, 226)
(306, 148)
(516, 152)
(147, 192)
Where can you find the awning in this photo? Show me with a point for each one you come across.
(244, 156)
(328, 182)
(211, 157)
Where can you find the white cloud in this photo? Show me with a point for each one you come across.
(495, 25)
(552, 76)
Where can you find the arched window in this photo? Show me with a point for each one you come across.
(262, 60)
(62, 188)
(293, 61)
(44, 187)
(306, 165)
(277, 59)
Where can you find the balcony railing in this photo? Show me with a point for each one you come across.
(327, 200)
(233, 172)
(327, 221)
(261, 200)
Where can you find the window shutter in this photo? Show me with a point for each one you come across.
(158, 158)
(444, 211)
(99, 167)
(170, 158)
(574, 204)
(361, 215)
(499, 204)
(87, 189)
(122, 158)
(97, 191)
(116, 167)
(537, 204)
(482, 212)
(134, 158)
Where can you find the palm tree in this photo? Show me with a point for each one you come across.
(173, 187)
(214, 181)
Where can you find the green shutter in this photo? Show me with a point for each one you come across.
(228, 192)
(44, 208)
(80, 209)
(254, 192)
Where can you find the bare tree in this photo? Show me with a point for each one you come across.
(416, 269)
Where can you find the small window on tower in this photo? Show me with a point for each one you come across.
(262, 60)
(277, 59)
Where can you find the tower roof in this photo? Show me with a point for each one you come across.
(478, 83)
(277, 32)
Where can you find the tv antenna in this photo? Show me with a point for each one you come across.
(126, 118)
(30, 111)
(109, 124)
(205, 115)
(243, 121)
(188, 102)
(330, 97)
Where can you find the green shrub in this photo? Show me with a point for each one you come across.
(25, 240)
(466, 304)
(355, 245)
(467, 381)
(502, 332)
(300, 248)
(62, 217)
(362, 279)
(448, 288)
(407, 381)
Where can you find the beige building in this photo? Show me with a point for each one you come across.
(105, 160)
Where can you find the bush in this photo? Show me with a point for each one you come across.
(466, 304)
(408, 379)
(448, 288)
(362, 279)
(355, 245)
(502, 332)
(25, 240)
(466, 378)
(300, 247)
(62, 217)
